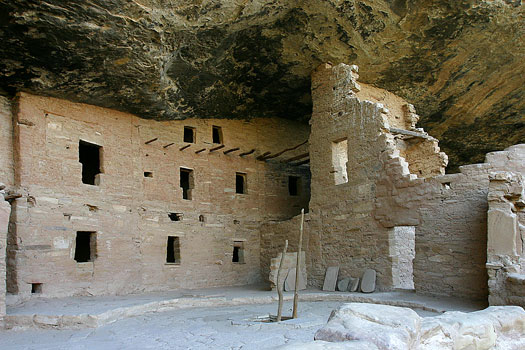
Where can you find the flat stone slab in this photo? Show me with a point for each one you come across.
(342, 285)
(353, 284)
(368, 282)
(289, 283)
(330, 279)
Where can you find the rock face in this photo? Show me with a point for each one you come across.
(459, 62)
(387, 327)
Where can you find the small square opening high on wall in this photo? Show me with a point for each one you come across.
(85, 246)
(36, 288)
(339, 161)
(294, 185)
(90, 156)
(240, 183)
(238, 252)
(173, 250)
(189, 134)
(216, 133)
(186, 183)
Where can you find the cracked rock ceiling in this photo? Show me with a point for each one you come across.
(461, 63)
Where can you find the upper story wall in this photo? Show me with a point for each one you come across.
(138, 186)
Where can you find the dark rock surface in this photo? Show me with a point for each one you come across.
(461, 63)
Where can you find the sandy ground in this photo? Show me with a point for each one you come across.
(195, 328)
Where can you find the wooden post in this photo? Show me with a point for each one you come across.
(279, 285)
(298, 267)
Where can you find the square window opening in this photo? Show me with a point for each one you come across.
(90, 156)
(36, 288)
(148, 174)
(186, 183)
(238, 252)
(189, 134)
(339, 161)
(216, 132)
(85, 246)
(240, 183)
(294, 184)
(175, 216)
(173, 250)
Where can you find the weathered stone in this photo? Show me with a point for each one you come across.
(353, 284)
(194, 59)
(342, 285)
(324, 345)
(330, 279)
(388, 327)
(368, 281)
(289, 283)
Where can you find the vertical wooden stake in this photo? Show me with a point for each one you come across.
(298, 267)
(279, 285)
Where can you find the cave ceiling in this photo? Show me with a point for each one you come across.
(461, 63)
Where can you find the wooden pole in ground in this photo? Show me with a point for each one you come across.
(298, 267)
(279, 285)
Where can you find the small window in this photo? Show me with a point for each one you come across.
(339, 161)
(294, 183)
(85, 246)
(238, 252)
(89, 155)
(36, 288)
(173, 250)
(240, 183)
(189, 134)
(175, 216)
(216, 133)
(202, 218)
(148, 174)
(186, 183)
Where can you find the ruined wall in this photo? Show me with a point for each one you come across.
(450, 216)
(359, 137)
(506, 228)
(138, 187)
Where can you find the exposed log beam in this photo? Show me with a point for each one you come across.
(168, 145)
(231, 150)
(184, 147)
(150, 141)
(216, 148)
(300, 156)
(286, 150)
(247, 153)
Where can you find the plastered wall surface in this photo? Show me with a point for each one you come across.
(506, 228)
(128, 211)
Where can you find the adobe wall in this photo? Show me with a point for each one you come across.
(129, 212)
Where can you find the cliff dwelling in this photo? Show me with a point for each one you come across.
(163, 163)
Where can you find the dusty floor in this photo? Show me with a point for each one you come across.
(195, 328)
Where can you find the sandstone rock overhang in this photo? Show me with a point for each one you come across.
(460, 63)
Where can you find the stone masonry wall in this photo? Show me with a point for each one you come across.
(506, 228)
(372, 130)
(450, 215)
(138, 187)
